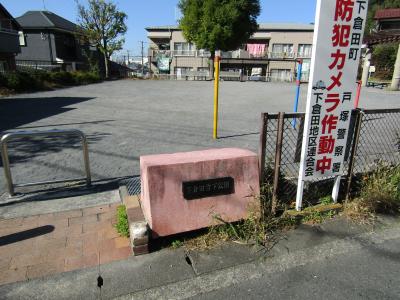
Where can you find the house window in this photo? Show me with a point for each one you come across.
(203, 53)
(304, 50)
(184, 49)
(204, 70)
(182, 70)
(281, 75)
(21, 36)
(282, 51)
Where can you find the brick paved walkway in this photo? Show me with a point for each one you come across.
(41, 245)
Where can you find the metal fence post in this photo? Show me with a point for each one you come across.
(6, 167)
(353, 153)
(6, 163)
(278, 155)
(261, 146)
(86, 159)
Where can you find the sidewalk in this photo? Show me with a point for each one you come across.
(176, 274)
(47, 244)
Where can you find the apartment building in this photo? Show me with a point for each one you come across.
(271, 53)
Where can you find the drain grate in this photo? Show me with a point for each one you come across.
(132, 185)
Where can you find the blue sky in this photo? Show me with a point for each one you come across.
(162, 12)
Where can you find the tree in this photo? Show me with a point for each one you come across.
(384, 58)
(219, 24)
(104, 25)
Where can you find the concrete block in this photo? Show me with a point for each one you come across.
(168, 211)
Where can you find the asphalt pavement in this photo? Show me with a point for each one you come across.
(334, 260)
(128, 118)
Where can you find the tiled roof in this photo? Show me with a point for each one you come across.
(390, 13)
(45, 19)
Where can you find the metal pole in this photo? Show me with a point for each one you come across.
(86, 160)
(261, 147)
(6, 167)
(142, 59)
(335, 190)
(6, 164)
(356, 138)
(216, 91)
(357, 94)
(278, 156)
(298, 82)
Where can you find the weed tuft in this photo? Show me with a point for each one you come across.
(380, 194)
(122, 225)
(259, 228)
(176, 244)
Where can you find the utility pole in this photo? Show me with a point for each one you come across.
(142, 58)
(128, 56)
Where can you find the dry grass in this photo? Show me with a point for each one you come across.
(380, 194)
(259, 228)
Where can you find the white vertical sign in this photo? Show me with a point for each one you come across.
(338, 34)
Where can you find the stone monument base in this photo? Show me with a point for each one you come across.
(183, 191)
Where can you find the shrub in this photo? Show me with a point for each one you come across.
(62, 78)
(80, 77)
(22, 81)
(3, 81)
(384, 57)
(31, 80)
(41, 75)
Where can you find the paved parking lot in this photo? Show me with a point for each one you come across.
(125, 119)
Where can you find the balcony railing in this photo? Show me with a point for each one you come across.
(282, 55)
(236, 54)
(173, 53)
(304, 55)
(196, 53)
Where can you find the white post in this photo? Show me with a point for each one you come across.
(396, 73)
(335, 190)
(299, 195)
(367, 64)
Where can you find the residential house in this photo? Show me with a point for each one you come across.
(9, 40)
(387, 19)
(386, 30)
(50, 41)
(272, 52)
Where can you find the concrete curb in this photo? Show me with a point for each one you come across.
(138, 227)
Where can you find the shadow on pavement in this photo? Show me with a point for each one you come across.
(15, 112)
(24, 149)
(25, 235)
(54, 193)
(238, 135)
(66, 124)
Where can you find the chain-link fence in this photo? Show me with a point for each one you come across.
(374, 138)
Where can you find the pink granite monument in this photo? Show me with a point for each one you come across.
(183, 191)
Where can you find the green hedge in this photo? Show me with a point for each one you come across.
(38, 80)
